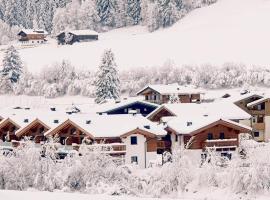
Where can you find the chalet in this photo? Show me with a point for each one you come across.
(260, 111)
(221, 109)
(70, 37)
(160, 94)
(32, 36)
(202, 133)
(259, 108)
(34, 131)
(128, 107)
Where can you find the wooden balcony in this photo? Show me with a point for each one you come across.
(221, 143)
(259, 126)
(257, 112)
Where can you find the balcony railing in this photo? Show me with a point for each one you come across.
(221, 143)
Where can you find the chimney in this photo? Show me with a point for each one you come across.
(189, 123)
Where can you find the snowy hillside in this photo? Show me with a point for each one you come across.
(228, 31)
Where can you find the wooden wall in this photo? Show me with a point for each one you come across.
(200, 138)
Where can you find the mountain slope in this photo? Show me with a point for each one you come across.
(228, 31)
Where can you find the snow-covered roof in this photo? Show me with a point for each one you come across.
(254, 103)
(183, 125)
(83, 32)
(34, 31)
(171, 89)
(110, 106)
(246, 96)
(115, 125)
(220, 109)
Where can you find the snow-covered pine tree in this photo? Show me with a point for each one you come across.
(107, 83)
(12, 65)
(106, 12)
(168, 12)
(134, 11)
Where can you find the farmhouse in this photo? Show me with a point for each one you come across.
(70, 37)
(161, 94)
(32, 36)
(202, 133)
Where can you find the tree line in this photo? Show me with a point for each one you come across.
(107, 82)
(55, 16)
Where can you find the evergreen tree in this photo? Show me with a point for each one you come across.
(107, 83)
(12, 65)
(106, 11)
(168, 13)
(134, 10)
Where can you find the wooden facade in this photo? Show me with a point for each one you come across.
(34, 35)
(158, 114)
(68, 133)
(35, 131)
(153, 96)
(220, 135)
(7, 130)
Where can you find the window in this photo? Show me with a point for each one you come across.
(145, 109)
(146, 97)
(125, 110)
(221, 136)
(256, 134)
(210, 136)
(176, 138)
(133, 140)
(134, 159)
(260, 119)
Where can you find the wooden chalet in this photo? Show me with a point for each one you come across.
(32, 36)
(8, 128)
(161, 94)
(71, 37)
(204, 133)
(69, 132)
(34, 130)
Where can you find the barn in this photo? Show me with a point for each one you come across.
(71, 37)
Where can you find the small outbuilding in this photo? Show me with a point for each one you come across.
(70, 37)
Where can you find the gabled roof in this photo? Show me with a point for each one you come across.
(171, 89)
(221, 109)
(247, 96)
(34, 31)
(105, 108)
(254, 103)
(81, 32)
(116, 125)
(27, 126)
(54, 130)
(191, 126)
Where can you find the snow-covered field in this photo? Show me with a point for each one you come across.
(34, 195)
(228, 31)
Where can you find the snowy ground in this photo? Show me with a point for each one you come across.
(228, 31)
(203, 195)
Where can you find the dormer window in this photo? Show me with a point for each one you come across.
(56, 121)
(26, 120)
(88, 122)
